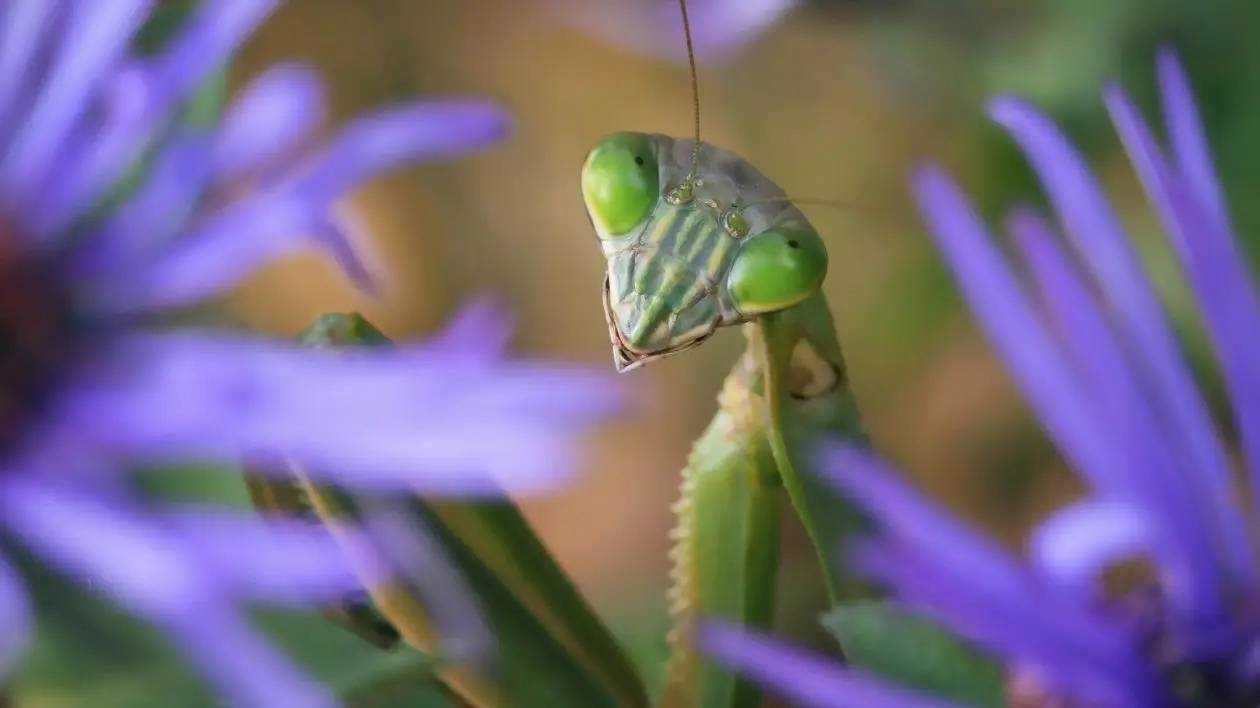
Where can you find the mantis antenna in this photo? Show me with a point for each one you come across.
(683, 192)
(848, 207)
(822, 201)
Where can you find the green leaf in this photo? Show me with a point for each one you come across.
(202, 109)
(499, 536)
(915, 652)
(88, 652)
(166, 21)
(533, 667)
(400, 678)
(552, 648)
(287, 497)
(355, 671)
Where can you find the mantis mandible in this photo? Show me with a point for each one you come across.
(695, 239)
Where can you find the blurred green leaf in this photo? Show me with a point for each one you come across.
(499, 536)
(360, 674)
(552, 648)
(534, 668)
(354, 612)
(641, 630)
(203, 108)
(164, 22)
(915, 652)
(88, 652)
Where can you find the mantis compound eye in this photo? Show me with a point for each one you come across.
(621, 182)
(777, 269)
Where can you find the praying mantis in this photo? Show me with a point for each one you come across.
(695, 239)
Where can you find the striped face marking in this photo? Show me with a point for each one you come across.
(678, 271)
(663, 289)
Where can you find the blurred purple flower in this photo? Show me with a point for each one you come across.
(114, 211)
(1098, 362)
(719, 27)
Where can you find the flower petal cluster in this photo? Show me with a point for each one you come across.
(119, 207)
(1085, 338)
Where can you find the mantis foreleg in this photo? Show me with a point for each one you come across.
(787, 390)
(726, 542)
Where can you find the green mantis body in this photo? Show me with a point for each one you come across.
(695, 239)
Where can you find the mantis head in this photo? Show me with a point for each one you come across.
(693, 241)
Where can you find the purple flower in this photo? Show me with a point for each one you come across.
(719, 27)
(115, 211)
(1089, 345)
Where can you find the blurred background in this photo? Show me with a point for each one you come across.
(839, 99)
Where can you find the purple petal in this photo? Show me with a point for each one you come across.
(149, 570)
(912, 520)
(1080, 652)
(279, 560)
(94, 39)
(218, 254)
(1216, 269)
(415, 558)
(381, 418)
(274, 114)
(719, 27)
(160, 208)
(213, 34)
(15, 618)
(483, 325)
(1189, 143)
(1078, 542)
(803, 678)
(139, 563)
(22, 27)
(342, 237)
(1030, 353)
(1165, 490)
(406, 133)
(155, 88)
(229, 246)
(1098, 237)
(246, 670)
(274, 223)
(968, 582)
(96, 152)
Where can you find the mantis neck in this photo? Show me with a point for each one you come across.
(786, 391)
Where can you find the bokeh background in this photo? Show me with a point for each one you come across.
(838, 100)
